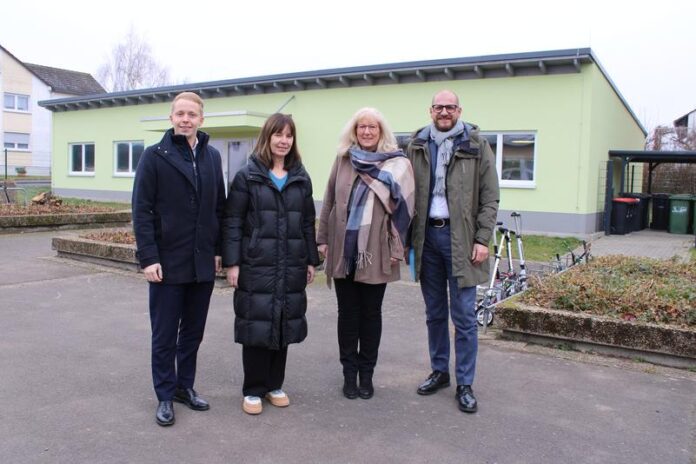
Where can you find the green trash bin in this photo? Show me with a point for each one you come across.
(679, 206)
(693, 214)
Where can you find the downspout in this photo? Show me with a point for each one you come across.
(285, 104)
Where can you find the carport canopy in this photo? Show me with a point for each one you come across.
(626, 157)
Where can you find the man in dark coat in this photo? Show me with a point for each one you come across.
(178, 200)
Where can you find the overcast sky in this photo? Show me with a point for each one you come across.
(647, 48)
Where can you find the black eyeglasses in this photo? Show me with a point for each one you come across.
(450, 108)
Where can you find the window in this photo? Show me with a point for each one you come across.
(16, 141)
(82, 159)
(514, 156)
(16, 102)
(126, 157)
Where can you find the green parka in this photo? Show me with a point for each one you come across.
(472, 199)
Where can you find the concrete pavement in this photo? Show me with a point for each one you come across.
(75, 384)
(649, 243)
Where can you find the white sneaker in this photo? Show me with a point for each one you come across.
(278, 398)
(252, 405)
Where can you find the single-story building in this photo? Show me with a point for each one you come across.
(550, 116)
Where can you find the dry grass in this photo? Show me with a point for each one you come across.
(124, 237)
(627, 288)
(30, 210)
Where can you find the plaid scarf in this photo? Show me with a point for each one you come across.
(388, 177)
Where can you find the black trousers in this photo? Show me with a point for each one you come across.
(359, 324)
(264, 370)
(177, 316)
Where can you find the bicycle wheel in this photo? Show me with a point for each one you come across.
(484, 313)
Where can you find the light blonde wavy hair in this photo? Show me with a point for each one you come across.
(348, 139)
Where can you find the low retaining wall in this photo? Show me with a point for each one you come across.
(39, 222)
(106, 254)
(666, 345)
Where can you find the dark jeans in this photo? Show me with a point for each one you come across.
(177, 316)
(436, 276)
(359, 324)
(264, 370)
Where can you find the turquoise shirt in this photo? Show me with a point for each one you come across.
(278, 181)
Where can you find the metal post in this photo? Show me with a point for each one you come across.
(624, 165)
(6, 196)
(608, 196)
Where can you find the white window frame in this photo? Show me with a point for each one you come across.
(15, 146)
(82, 173)
(507, 183)
(16, 97)
(131, 168)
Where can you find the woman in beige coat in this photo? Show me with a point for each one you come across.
(367, 209)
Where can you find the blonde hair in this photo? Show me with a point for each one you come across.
(190, 96)
(387, 141)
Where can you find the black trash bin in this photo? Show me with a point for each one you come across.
(622, 213)
(660, 211)
(640, 218)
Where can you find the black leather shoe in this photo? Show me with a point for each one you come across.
(165, 413)
(434, 382)
(350, 387)
(466, 399)
(190, 398)
(366, 389)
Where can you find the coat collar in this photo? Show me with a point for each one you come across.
(176, 150)
(468, 142)
(260, 172)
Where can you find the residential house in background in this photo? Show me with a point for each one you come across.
(25, 127)
(551, 118)
(688, 120)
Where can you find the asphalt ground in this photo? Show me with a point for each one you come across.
(75, 387)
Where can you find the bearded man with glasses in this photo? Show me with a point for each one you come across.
(457, 200)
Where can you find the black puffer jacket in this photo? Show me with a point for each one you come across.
(270, 235)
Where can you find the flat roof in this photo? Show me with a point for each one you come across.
(652, 156)
(477, 67)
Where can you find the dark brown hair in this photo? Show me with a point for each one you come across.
(273, 125)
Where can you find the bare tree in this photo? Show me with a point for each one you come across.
(132, 66)
(671, 139)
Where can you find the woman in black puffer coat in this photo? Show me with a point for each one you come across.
(270, 250)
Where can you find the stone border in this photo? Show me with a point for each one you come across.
(93, 251)
(43, 222)
(665, 345)
(115, 255)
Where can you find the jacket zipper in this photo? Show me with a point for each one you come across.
(195, 170)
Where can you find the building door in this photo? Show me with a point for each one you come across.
(234, 153)
(238, 151)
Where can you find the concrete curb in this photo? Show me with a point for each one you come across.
(115, 255)
(664, 345)
(43, 222)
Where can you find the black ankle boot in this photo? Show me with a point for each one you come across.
(366, 389)
(350, 387)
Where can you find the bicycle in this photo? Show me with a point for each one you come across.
(493, 293)
(503, 285)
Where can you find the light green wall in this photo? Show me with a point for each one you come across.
(612, 128)
(577, 118)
